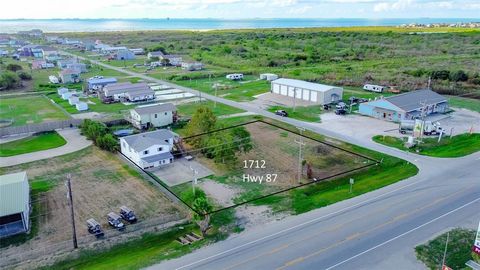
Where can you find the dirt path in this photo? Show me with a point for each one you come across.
(75, 142)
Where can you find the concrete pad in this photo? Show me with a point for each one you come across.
(270, 99)
(180, 171)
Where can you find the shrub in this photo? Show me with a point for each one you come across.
(9, 80)
(14, 67)
(440, 74)
(459, 76)
(24, 76)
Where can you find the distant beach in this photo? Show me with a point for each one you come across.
(100, 25)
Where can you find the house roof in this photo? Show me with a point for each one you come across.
(149, 109)
(14, 190)
(304, 84)
(126, 87)
(142, 141)
(171, 56)
(69, 71)
(138, 92)
(101, 81)
(161, 156)
(156, 53)
(413, 100)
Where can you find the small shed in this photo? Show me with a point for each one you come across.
(14, 204)
(81, 106)
(62, 90)
(268, 76)
(73, 100)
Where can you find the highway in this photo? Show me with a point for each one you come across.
(377, 230)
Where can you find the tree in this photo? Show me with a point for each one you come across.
(24, 76)
(107, 142)
(459, 76)
(221, 147)
(440, 74)
(165, 61)
(242, 139)
(203, 120)
(202, 209)
(9, 80)
(14, 67)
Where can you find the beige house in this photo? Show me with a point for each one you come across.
(158, 115)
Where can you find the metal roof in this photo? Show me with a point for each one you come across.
(413, 100)
(14, 193)
(104, 80)
(304, 84)
(161, 156)
(142, 141)
(126, 87)
(149, 109)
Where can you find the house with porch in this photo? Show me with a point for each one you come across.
(150, 149)
(158, 115)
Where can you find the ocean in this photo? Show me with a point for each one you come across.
(91, 25)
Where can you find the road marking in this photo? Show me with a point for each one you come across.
(403, 234)
(302, 224)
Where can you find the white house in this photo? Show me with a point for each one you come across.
(158, 115)
(14, 204)
(307, 91)
(192, 66)
(149, 149)
(81, 106)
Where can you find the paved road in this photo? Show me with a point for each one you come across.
(377, 230)
(75, 142)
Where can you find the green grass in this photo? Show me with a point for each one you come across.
(465, 103)
(31, 144)
(456, 146)
(188, 109)
(30, 109)
(308, 114)
(234, 90)
(459, 249)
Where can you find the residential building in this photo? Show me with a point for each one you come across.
(128, 91)
(81, 67)
(63, 63)
(156, 54)
(14, 204)
(124, 55)
(172, 59)
(150, 149)
(70, 76)
(158, 115)
(406, 106)
(307, 91)
(138, 51)
(192, 66)
(98, 83)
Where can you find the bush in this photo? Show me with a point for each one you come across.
(99, 134)
(9, 80)
(440, 74)
(459, 76)
(24, 76)
(14, 67)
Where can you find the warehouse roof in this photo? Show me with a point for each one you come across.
(14, 193)
(142, 141)
(164, 107)
(126, 87)
(102, 81)
(413, 100)
(304, 84)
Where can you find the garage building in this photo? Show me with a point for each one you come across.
(405, 106)
(14, 204)
(307, 91)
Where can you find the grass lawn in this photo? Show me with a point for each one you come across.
(459, 249)
(31, 144)
(309, 113)
(29, 110)
(234, 90)
(189, 109)
(465, 103)
(456, 146)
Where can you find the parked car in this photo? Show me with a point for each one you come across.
(127, 214)
(281, 113)
(94, 228)
(340, 111)
(326, 107)
(115, 221)
(341, 105)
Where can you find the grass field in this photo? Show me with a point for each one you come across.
(465, 103)
(459, 249)
(189, 109)
(234, 90)
(30, 109)
(31, 144)
(308, 114)
(456, 146)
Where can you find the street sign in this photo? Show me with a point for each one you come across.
(352, 181)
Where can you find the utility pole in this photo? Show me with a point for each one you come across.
(300, 144)
(215, 101)
(424, 114)
(445, 251)
(294, 98)
(429, 86)
(72, 216)
(194, 182)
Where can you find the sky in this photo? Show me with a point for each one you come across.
(237, 9)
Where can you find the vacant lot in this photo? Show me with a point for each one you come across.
(33, 143)
(272, 165)
(29, 109)
(101, 183)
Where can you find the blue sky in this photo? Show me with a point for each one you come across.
(233, 9)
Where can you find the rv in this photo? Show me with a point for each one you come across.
(235, 76)
(374, 88)
(429, 127)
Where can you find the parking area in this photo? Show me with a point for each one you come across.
(269, 99)
(181, 171)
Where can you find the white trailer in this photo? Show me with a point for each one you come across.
(235, 76)
(374, 88)
(429, 127)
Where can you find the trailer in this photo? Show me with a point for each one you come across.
(429, 127)
(235, 76)
(115, 221)
(94, 228)
(374, 88)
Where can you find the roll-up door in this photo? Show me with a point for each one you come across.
(313, 96)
